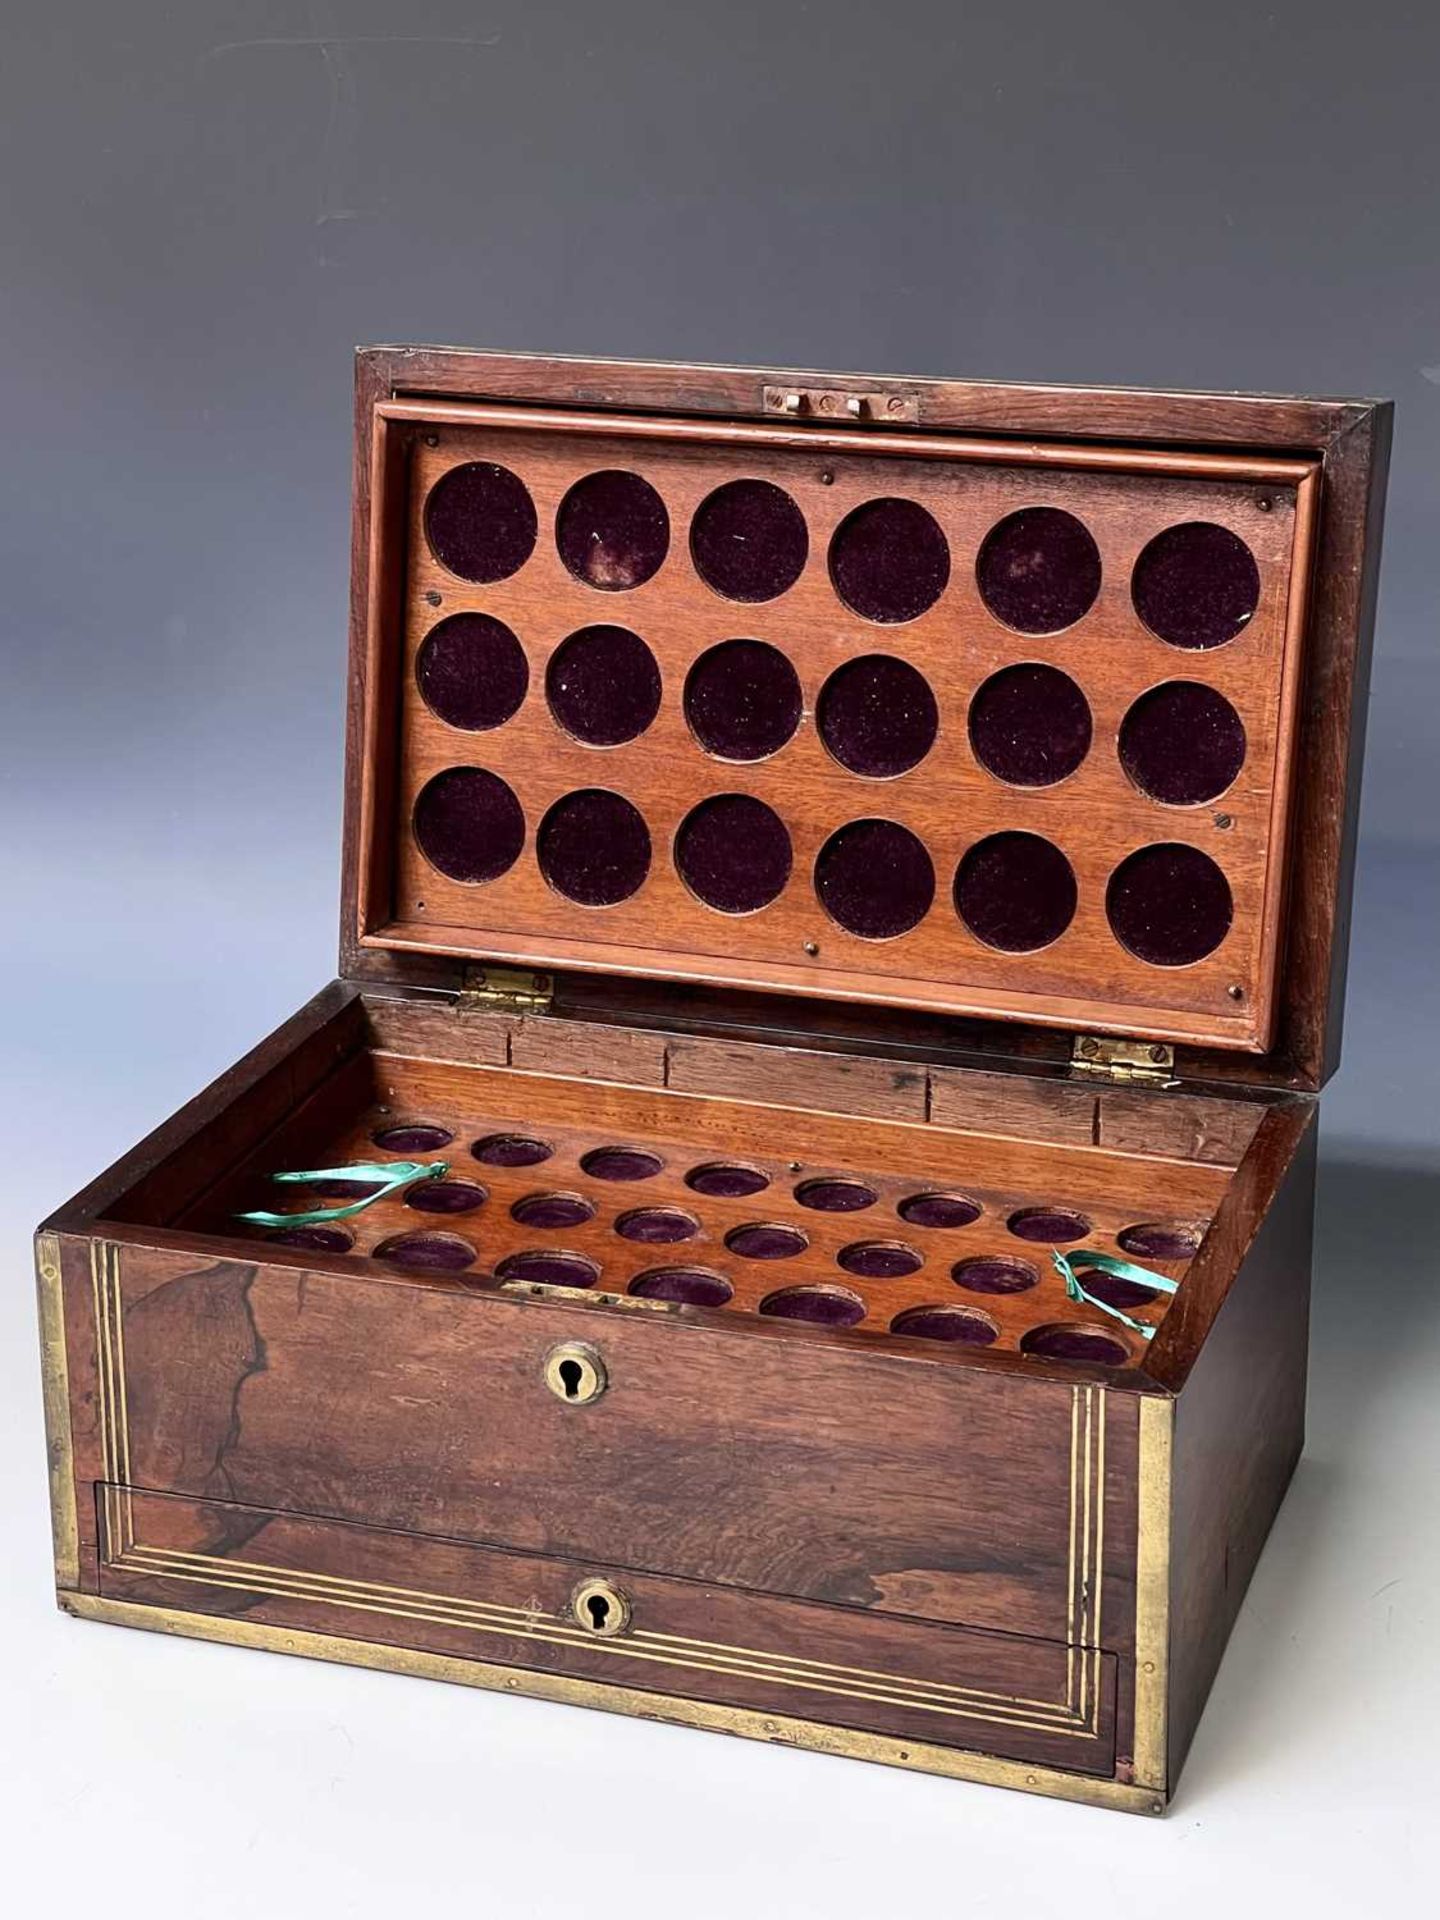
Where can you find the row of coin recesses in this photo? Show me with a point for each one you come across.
(1195, 585)
(1168, 903)
(668, 1225)
(1030, 725)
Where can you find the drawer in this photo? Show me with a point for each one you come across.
(1002, 1694)
(731, 1454)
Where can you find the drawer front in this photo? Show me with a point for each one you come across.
(943, 1686)
(736, 1455)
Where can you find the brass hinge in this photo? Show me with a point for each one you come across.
(505, 990)
(1104, 1058)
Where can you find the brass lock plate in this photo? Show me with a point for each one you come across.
(575, 1373)
(600, 1608)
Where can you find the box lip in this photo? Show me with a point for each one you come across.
(1348, 437)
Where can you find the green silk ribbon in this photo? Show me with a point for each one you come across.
(1065, 1265)
(392, 1176)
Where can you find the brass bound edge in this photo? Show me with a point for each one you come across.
(778, 1729)
(1152, 1594)
(55, 1374)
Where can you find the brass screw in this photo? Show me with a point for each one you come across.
(827, 403)
(896, 404)
(432, 439)
(1224, 821)
(812, 947)
(1236, 993)
(827, 478)
(1090, 1048)
(1264, 503)
(433, 598)
(1157, 1054)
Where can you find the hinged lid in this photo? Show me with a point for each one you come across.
(659, 674)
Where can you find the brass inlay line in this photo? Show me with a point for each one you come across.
(59, 1439)
(1077, 1714)
(114, 1417)
(954, 1763)
(739, 1663)
(526, 1617)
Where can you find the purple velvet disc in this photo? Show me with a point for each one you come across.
(877, 716)
(1196, 585)
(1159, 1240)
(743, 700)
(603, 686)
(657, 1226)
(726, 1179)
(1182, 743)
(939, 1210)
(612, 530)
(446, 1196)
(511, 1150)
(1116, 1291)
(415, 1136)
(836, 1196)
(1039, 570)
(964, 1324)
(1030, 725)
(621, 1163)
(689, 1286)
(734, 853)
(1015, 892)
(551, 1210)
(766, 1240)
(818, 1306)
(469, 824)
(1089, 1344)
(879, 1259)
(748, 540)
(548, 1269)
(594, 847)
(994, 1273)
(875, 879)
(1050, 1225)
(889, 561)
(313, 1239)
(472, 672)
(1169, 905)
(435, 1252)
(480, 521)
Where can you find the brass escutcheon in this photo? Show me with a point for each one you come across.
(600, 1608)
(575, 1373)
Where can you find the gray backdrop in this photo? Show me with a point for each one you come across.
(204, 208)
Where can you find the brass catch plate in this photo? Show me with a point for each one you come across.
(839, 404)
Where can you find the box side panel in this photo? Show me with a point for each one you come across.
(1239, 1430)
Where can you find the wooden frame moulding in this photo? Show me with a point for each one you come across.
(1349, 438)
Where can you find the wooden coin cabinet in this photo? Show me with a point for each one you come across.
(815, 848)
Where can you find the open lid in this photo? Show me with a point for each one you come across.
(806, 686)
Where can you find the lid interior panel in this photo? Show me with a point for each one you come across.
(988, 729)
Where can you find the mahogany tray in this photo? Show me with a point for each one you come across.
(818, 848)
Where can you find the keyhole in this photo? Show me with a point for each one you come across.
(600, 1608)
(575, 1373)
